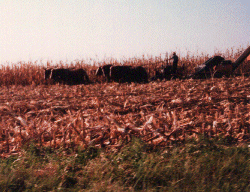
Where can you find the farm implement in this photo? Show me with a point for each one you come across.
(218, 67)
(215, 66)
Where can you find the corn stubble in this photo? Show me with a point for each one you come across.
(108, 115)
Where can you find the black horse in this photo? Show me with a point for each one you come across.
(128, 74)
(104, 71)
(67, 76)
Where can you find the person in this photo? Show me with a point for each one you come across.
(175, 59)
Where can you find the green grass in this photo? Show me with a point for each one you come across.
(203, 165)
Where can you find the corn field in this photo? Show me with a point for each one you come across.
(108, 115)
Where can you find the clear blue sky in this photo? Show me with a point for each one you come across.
(80, 29)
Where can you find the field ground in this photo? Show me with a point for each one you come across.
(160, 113)
(164, 116)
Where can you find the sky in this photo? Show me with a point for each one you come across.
(70, 30)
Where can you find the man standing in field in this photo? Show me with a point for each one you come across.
(175, 59)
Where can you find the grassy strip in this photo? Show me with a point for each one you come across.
(203, 165)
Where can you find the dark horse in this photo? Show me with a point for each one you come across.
(128, 74)
(104, 71)
(67, 76)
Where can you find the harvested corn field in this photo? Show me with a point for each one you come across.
(108, 115)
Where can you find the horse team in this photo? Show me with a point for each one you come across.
(120, 74)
